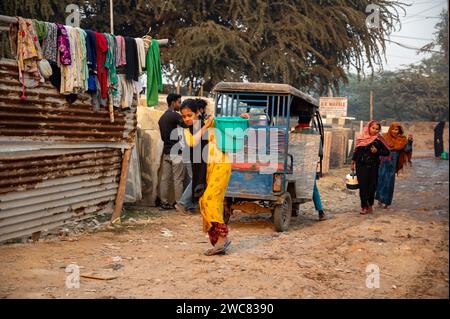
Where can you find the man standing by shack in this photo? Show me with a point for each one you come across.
(173, 170)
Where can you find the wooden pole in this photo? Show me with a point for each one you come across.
(371, 105)
(122, 184)
(111, 18)
(111, 110)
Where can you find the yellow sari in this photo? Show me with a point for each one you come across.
(217, 176)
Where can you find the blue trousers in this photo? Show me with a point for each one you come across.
(316, 198)
(186, 198)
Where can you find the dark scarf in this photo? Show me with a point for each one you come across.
(91, 59)
(199, 170)
(132, 67)
(55, 80)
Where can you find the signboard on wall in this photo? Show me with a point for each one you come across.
(333, 106)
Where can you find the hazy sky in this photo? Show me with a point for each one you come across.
(416, 31)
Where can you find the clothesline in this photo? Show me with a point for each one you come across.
(77, 61)
(8, 19)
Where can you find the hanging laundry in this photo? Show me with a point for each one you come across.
(28, 54)
(71, 78)
(83, 60)
(102, 48)
(63, 45)
(50, 43)
(55, 80)
(117, 94)
(141, 54)
(132, 67)
(91, 51)
(41, 29)
(96, 96)
(84, 66)
(127, 90)
(110, 65)
(120, 51)
(154, 74)
(110, 62)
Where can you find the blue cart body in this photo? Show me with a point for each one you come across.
(272, 104)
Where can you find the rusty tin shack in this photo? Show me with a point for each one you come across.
(58, 161)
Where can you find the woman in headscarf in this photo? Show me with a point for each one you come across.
(370, 145)
(439, 139)
(210, 175)
(391, 165)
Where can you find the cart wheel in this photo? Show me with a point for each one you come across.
(282, 213)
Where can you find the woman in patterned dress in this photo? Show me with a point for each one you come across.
(211, 170)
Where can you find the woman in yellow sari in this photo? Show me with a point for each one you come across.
(211, 170)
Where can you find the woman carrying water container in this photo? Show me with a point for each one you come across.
(370, 145)
(210, 175)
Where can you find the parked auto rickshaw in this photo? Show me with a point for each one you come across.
(265, 174)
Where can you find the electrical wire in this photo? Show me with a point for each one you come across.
(420, 12)
(407, 37)
(411, 47)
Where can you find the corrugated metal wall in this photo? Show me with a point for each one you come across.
(46, 115)
(58, 161)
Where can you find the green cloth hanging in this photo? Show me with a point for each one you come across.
(154, 74)
(41, 29)
(110, 62)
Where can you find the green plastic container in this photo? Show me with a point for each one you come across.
(230, 133)
(444, 155)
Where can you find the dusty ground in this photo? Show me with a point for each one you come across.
(159, 254)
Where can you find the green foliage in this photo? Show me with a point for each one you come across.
(416, 92)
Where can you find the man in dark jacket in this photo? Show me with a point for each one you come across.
(173, 170)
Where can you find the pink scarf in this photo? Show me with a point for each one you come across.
(365, 138)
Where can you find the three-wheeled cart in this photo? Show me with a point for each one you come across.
(266, 178)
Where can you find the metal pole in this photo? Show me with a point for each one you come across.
(111, 16)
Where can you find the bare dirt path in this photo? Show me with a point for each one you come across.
(159, 254)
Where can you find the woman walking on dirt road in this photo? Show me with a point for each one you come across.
(370, 145)
(391, 165)
(210, 175)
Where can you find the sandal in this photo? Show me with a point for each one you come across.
(219, 249)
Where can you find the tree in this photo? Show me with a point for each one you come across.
(307, 44)
(418, 91)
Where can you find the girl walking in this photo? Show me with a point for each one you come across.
(211, 171)
(370, 145)
(391, 165)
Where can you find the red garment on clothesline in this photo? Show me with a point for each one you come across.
(102, 49)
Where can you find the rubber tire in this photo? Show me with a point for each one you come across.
(282, 213)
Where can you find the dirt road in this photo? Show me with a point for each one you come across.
(159, 254)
